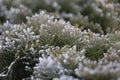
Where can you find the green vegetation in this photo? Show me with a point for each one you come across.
(59, 40)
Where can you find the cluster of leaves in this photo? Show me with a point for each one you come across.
(44, 46)
(101, 16)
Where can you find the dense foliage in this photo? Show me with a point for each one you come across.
(59, 40)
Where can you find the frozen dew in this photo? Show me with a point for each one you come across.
(65, 77)
(56, 48)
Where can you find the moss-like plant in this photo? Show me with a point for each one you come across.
(72, 39)
(101, 15)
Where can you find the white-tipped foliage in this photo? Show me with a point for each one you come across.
(55, 50)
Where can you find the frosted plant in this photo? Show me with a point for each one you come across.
(18, 15)
(22, 40)
(93, 9)
(79, 58)
(98, 71)
(61, 61)
(47, 69)
(102, 15)
(56, 32)
(108, 67)
(72, 60)
(98, 45)
(59, 36)
(65, 77)
(44, 48)
(111, 56)
(83, 22)
(38, 19)
(18, 44)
